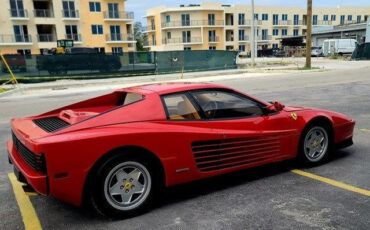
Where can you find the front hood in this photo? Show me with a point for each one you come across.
(293, 108)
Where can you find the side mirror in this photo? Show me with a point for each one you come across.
(275, 106)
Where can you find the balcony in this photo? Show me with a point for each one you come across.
(11, 39)
(43, 13)
(322, 23)
(118, 16)
(244, 38)
(148, 29)
(71, 15)
(185, 40)
(46, 38)
(193, 23)
(299, 23)
(282, 22)
(213, 39)
(75, 37)
(18, 14)
(264, 38)
(120, 38)
(249, 22)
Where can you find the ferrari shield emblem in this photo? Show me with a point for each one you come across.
(294, 116)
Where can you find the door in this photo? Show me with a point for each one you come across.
(115, 32)
(185, 19)
(69, 9)
(16, 8)
(275, 19)
(211, 19)
(21, 33)
(186, 36)
(71, 32)
(246, 134)
(113, 10)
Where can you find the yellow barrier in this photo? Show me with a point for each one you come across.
(12, 79)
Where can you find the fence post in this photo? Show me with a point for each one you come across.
(13, 79)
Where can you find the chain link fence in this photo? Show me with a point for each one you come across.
(39, 68)
(362, 52)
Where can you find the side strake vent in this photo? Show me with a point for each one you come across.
(221, 154)
(50, 124)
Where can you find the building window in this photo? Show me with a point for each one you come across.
(168, 35)
(333, 17)
(21, 33)
(71, 32)
(17, 9)
(97, 29)
(212, 36)
(152, 24)
(314, 20)
(284, 32)
(154, 40)
(275, 19)
(117, 50)
(241, 19)
(284, 17)
(349, 18)
(185, 19)
(342, 19)
(275, 32)
(168, 18)
(296, 19)
(275, 46)
(358, 18)
(264, 34)
(265, 17)
(186, 36)
(256, 16)
(241, 35)
(212, 48)
(95, 6)
(295, 32)
(326, 17)
(211, 19)
(187, 48)
(242, 48)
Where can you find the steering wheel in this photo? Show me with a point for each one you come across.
(210, 109)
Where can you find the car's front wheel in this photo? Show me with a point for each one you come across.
(315, 144)
(124, 187)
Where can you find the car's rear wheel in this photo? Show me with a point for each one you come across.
(315, 144)
(124, 186)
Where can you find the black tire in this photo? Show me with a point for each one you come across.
(107, 204)
(308, 143)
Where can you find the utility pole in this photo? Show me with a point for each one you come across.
(309, 34)
(252, 47)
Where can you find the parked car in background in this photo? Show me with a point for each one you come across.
(339, 46)
(15, 62)
(78, 58)
(279, 53)
(316, 51)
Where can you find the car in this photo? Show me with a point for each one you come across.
(316, 51)
(118, 151)
(279, 53)
(15, 62)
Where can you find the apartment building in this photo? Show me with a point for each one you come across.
(34, 26)
(226, 27)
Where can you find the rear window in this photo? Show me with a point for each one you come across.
(131, 98)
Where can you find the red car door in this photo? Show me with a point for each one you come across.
(246, 134)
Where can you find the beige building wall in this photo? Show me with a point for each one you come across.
(228, 35)
(55, 21)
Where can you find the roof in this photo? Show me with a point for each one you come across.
(170, 87)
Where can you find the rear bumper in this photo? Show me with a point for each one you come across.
(35, 179)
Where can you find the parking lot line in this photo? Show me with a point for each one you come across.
(332, 182)
(29, 216)
(365, 130)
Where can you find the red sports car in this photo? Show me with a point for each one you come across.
(119, 150)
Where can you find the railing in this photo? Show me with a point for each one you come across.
(321, 23)
(298, 22)
(18, 13)
(243, 38)
(148, 28)
(74, 37)
(70, 13)
(281, 22)
(249, 22)
(264, 37)
(10, 38)
(119, 37)
(187, 23)
(213, 39)
(42, 13)
(182, 40)
(46, 37)
(118, 15)
(149, 43)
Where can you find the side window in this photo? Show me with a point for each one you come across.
(221, 104)
(179, 107)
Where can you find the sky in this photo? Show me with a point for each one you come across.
(139, 7)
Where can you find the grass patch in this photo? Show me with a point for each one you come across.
(2, 90)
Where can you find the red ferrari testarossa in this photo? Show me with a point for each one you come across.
(118, 150)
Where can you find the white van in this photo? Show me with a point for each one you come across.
(338, 46)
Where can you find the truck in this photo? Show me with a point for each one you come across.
(338, 46)
(78, 58)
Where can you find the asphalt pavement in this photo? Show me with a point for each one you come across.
(268, 197)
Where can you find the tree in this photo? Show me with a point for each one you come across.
(140, 37)
(309, 34)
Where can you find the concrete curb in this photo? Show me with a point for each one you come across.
(10, 92)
